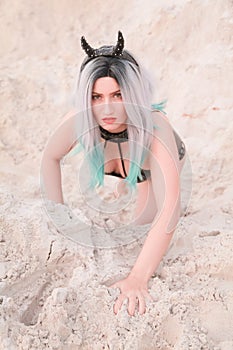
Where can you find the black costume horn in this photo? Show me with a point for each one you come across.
(104, 50)
(117, 51)
(87, 48)
(107, 51)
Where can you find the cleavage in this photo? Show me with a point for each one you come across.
(112, 158)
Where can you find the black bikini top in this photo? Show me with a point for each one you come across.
(118, 137)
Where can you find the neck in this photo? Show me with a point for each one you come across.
(121, 136)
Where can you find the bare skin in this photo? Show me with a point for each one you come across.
(159, 207)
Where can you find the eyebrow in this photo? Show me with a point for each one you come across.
(111, 93)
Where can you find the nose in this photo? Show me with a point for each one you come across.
(108, 107)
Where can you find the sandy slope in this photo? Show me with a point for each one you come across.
(53, 292)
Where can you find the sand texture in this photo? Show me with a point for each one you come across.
(54, 292)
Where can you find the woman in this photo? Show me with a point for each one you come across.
(124, 137)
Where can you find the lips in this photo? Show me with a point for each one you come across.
(109, 120)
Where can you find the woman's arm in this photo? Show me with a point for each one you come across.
(59, 144)
(166, 186)
(165, 181)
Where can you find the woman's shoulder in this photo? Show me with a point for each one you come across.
(63, 138)
(162, 128)
(164, 131)
(69, 115)
(159, 118)
(68, 123)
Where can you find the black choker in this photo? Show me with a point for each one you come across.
(121, 136)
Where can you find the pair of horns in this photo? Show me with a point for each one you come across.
(116, 50)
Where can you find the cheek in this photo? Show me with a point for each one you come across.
(96, 110)
(121, 110)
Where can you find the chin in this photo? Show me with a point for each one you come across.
(114, 127)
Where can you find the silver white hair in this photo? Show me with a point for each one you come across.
(136, 89)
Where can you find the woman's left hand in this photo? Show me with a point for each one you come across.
(135, 290)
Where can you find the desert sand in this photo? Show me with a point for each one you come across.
(54, 291)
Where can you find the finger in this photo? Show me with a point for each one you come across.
(141, 304)
(132, 304)
(148, 296)
(119, 303)
(114, 285)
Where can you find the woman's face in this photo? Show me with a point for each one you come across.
(107, 105)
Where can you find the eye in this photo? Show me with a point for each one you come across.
(118, 95)
(95, 97)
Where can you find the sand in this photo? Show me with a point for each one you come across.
(53, 291)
